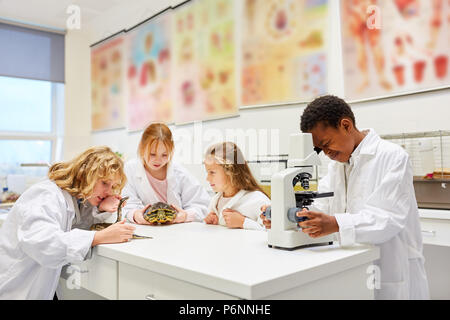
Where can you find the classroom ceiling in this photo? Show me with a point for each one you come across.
(52, 13)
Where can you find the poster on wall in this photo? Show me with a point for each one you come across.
(149, 72)
(204, 83)
(107, 84)
(394, 47)
(284, 51)
(217, 47)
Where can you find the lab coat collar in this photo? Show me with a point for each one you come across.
(368, 146)
(235, 198)
(69, 199)
(230, 203)
(171, 182)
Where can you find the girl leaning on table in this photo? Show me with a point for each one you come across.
(153, 177)
(48, 226)
(238, 196)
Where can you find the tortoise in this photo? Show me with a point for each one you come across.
(160, 213)
(101, 226)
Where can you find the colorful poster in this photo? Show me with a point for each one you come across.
(284, 45)
(204, 61)
(107, 84)
(186, 85)
(394, 47)
(149, 73)
(217, 56)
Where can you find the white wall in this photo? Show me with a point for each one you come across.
(413, 113)
(77, 126)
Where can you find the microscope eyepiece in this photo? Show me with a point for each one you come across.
(303, 178)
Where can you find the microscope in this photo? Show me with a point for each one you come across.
(285, 233)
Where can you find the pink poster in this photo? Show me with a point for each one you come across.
(149, 73)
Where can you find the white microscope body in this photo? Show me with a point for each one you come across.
(285, 232)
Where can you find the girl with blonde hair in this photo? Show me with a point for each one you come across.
(238, 196)
(153, 177)
(48, 226)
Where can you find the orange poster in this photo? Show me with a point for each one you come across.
(394, 47)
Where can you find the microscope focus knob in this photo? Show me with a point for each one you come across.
(268, 213)
(292, 215)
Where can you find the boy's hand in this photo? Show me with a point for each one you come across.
(318, 224)
(267, 223)
(233, 219)
(211, 218)
(109, 204)
(118, 232)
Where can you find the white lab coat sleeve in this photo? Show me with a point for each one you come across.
(42, 238)
(385, 213)
(250, 224)
(254, 202)
(194, 198)
(323, 204)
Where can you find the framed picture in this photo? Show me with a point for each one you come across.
(394, 47)
(149, 72)
(107, 84)
(204, 69)
(284, 51)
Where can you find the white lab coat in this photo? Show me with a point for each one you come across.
(248, 203)
(183, 190)
(36, 241)
(380, 208)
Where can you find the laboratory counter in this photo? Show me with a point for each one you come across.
(200, 261)
(238, 263)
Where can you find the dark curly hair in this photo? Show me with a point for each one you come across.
(328, 110)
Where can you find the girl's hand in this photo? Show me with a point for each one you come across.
(267, 223)
(109, 204)
(211, 218)
(233, 219)
(118, 232)
(138, 215)
(181, 215)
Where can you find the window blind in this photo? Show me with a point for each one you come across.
(32, 54)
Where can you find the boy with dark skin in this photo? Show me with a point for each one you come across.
(338, 144)
(374, 200)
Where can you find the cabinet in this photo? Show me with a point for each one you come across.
(97, 275)
(435, 231)
(138, 284)
(436, 250)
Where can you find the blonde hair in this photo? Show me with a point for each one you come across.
(230, 158)
(155, 133)
(79, 176)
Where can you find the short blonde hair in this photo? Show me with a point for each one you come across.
(154, 134)
(79, 176)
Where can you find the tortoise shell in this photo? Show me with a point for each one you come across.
(160, 213)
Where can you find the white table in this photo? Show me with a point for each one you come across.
(199, 261)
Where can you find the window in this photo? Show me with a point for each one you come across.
(26, 105)
(30, 125)
(31, 102)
